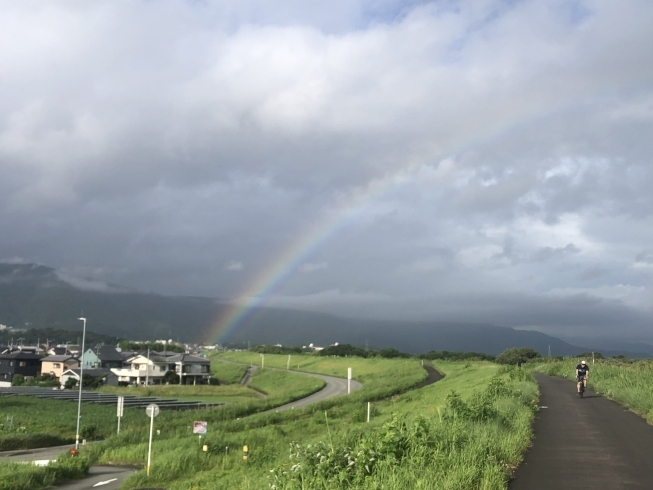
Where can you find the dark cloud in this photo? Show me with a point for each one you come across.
(468, 161)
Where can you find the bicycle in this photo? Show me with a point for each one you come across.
(581, 391)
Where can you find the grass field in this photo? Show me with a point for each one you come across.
(422, 439)
(465, 432)
(628, 382)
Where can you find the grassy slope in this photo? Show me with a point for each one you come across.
(473, 455)
(628, 383)
(468, 454)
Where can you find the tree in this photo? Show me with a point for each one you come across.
(171, 378)
(516, 355)
(70, 383)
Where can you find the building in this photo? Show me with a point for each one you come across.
(140, 369)
(104, 356)
(191, 369)
(56, 365)
(19, 362)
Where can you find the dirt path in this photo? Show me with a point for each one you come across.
(585, 443)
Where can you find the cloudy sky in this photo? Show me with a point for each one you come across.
(474, 161)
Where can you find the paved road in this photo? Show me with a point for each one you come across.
(44, 453)
(333, 387)
(585, 443)
(100, 478)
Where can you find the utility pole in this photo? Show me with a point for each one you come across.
(549, 350)
(147, 369)
(81, 382)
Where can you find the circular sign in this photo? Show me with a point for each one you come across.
(152, 410)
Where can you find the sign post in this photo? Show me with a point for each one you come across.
(369, 405)
(152, 411)
(262, 360)
(348, 380)
(288, 363)
(121, 406)
(200, 427)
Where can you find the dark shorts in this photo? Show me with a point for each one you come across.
(580, 378)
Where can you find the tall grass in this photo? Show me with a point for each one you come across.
(20, 476)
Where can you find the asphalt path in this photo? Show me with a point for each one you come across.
(100, 477)
(333, 387)
(40, 454)
(585, 443)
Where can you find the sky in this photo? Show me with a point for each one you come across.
(483, 161)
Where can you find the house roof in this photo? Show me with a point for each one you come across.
(91, 372)
(20, 355)
(58, 358)
(59, 351)
(188, 358)
(108, 353)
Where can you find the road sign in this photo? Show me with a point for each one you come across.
(200, 427)
(152, 410)
(121, 406)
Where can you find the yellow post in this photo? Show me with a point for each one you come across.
(245, 452)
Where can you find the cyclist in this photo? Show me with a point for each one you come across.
(582, 373)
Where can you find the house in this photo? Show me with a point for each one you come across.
(59, 351)
(143, 369)
(104, 356)
(56, 365)
(19, 362)
(191, 369)
(108, 377)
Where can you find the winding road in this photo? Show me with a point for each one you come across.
(591, 442)
(111, 477)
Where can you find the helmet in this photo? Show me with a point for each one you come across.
(582, 362)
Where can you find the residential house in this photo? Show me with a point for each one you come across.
(142, 369)
(56, 365)
(19, 362)
(104, 356)
(191, 369)
(59, 351)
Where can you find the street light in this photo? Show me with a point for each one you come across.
(81, 380)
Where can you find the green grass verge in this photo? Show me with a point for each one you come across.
(19, 476)
(228, 373)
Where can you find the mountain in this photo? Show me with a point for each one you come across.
(35, 296)
(288, 327)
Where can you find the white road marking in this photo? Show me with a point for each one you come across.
(100, 483)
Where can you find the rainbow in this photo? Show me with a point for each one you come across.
(291, 259)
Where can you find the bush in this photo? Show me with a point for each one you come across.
(18, 380)
(516, 356)
(214, 381)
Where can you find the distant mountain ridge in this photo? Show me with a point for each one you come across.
(36, 296)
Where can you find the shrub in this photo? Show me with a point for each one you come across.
(516, 356)
(18, 380)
